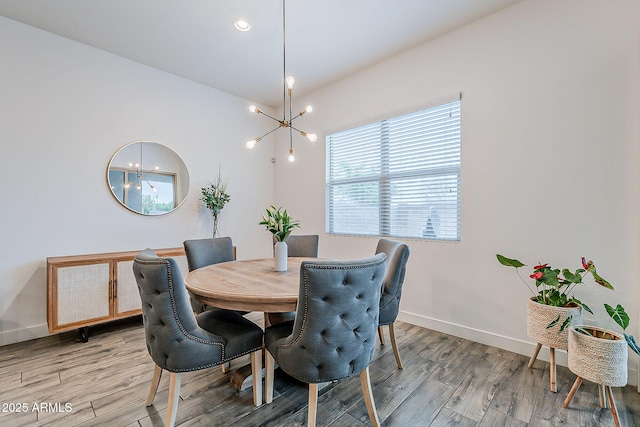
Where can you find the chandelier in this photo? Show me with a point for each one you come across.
(140, 174)
(287, 123)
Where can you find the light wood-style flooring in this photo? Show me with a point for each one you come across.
(446, 381)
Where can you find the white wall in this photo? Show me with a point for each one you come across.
(65, 109)
(550, 141)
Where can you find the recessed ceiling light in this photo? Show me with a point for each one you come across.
(242, 25)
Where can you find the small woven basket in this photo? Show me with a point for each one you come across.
(599, 360)
(538, 318)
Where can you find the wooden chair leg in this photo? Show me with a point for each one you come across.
(365, 383)
(174, 398)
(157, 374)
(612, 405)
(534, 356)
(256, 373)
(381, 335)
(394, 344)
(552, 370)
(268, 377)
(313, 405)
(573, 390)
(225, 367)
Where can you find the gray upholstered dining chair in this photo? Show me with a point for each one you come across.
(302, 245)
(178, 341)
(334, 331)
(397, 256)
(298, 245)
(203, 252)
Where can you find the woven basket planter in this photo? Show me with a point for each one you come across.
(599, 360)
(538, 318)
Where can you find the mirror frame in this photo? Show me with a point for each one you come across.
(169, 169)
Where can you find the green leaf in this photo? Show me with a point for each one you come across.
(278, 222)
(619, 315)
(556, 299)
(509, 262)
(566, 323)
(632, 343)
(554, 323)
(550, 278)
(583, 305)
(582, 330)
(571, 277)
(599, 280)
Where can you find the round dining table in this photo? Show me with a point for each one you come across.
(247, 285)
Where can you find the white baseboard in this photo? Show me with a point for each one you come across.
(23, 334)
(510, 344)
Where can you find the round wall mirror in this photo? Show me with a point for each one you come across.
(148, 178)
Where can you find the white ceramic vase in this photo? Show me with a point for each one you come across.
(281, 254)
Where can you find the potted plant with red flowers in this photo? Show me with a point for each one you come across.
(553, 307)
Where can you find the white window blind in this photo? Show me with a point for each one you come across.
(399, 177)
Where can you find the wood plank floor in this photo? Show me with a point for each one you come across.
(447, 381)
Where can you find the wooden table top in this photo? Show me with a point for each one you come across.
(247, 285)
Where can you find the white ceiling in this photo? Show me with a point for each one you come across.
(195, 39)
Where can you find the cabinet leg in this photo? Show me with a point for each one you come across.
(84, 333)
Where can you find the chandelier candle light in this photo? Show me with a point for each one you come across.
(137, 168)
(287, 93)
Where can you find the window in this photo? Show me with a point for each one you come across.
(154, 194)
(399, 177)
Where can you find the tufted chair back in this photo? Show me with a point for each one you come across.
(397, 256)
(174, 339)
(203, 252)
(333, 334)
(298, 245)
(177, 341)
(302, 245)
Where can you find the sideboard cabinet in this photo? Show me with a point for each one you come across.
(86, 290)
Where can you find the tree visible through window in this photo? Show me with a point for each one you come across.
(399, 177)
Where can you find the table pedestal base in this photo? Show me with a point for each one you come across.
(242, 379)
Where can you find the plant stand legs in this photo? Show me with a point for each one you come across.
(573, 390)
(552, 370)
(609, 396)
(612, 406)
(602, 396)
(534, 356)
(552, 365)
